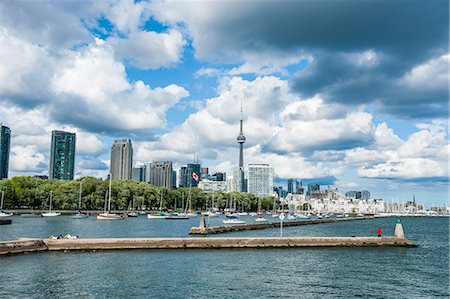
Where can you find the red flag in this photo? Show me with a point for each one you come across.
(196, 177)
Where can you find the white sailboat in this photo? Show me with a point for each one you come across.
(79, 215)
(107, 215)
(160, 214)
(131, 210)
(3, 214)
(50, 213)
(260, 217)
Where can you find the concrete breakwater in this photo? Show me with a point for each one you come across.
(204, 230)
(32, 245)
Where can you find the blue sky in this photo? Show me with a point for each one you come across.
(355, 92)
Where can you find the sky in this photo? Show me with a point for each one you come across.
(352, 94)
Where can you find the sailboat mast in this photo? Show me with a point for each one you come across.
(50, 209)
(79, 197)
(109, 194)
(160, 201)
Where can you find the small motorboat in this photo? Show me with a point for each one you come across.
(132, 214)
(79, 215)
(260, 218)
(233, 221)
(319, 216)
(176, 216)
(111, 216)
(291, 217)
(50, 214)
(159, 215)
(4, 214)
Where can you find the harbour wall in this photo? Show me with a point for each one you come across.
(33, 245)
(205, 230)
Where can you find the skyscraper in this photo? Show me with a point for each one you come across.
(290, 186)
(138, 173)
(239, 173)
(161, 174)
(121, 159)
(260, 179)
(62, 155)
(5, 144)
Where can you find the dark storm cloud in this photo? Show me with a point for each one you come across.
(402, 34)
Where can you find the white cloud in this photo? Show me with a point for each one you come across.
(150, 50)
(26, 159)
(96, 93)
(424, 155)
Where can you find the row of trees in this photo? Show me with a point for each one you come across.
(33, 193)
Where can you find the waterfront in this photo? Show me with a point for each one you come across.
(294, 273)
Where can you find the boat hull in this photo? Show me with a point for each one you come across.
(50, 214)
(109, 216)
(4, 215)
(150, 216)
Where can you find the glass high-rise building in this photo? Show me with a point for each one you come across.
(121, 160)
(161, 174)
(62, 155)
(260, 180)
(5, 144)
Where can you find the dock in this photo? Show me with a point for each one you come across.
(202, 229)
(40, 245)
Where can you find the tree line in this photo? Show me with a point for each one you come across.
(26, 192)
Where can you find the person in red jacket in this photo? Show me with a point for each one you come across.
(379, 232)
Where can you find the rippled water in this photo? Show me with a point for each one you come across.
(239, 273)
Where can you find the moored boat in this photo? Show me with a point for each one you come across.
(107, 215)
(260, 218)
(3, 214)
(50, 213)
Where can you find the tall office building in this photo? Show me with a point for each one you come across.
(5, 144)
(182, 177)
(138, 173)
(260, 180)
(161, 174)
(290, 186)
(62, 155)
(121, 159)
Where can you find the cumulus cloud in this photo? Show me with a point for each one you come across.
(150, 50)
(93, 93)
(422, 156)
(27, 159)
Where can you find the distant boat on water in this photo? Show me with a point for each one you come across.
(2, 213)
(50, 213)
(79, 215)
(107, 215)
(160, 214)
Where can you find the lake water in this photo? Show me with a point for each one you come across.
(238, 273)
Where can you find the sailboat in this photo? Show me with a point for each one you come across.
(131, 211)
(107, 215)
(50, 213)
(3, 214)
(160, 214)
(79, 215)
(260, 217)
(274, 212)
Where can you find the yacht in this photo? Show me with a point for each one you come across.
(260, 218)
(2, 213)
(50, 213)
(160, 214)
(79, 215)
(107, 215)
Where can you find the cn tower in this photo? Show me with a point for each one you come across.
(241, 141)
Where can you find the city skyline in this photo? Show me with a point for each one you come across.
(356, 109)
